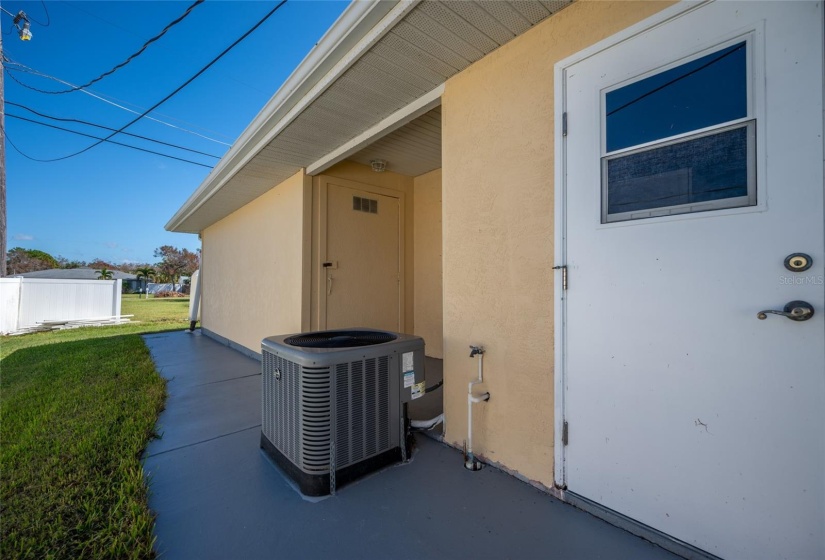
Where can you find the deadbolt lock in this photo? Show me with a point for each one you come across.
(798, 262)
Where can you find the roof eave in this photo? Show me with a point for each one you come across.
(357, 20)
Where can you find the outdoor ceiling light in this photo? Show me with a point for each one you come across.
(378, 165)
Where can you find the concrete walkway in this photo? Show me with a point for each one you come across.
(217, 495)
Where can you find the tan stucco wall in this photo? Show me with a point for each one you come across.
(363, 174)
(427, 263)
(498, 234)
(252, 267)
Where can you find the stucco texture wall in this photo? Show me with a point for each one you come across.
(253, 262)
(427, 268)
(498, 234)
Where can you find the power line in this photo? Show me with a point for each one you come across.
(13, 145)
(673, 81)
(179, 88)
(48, 19)
(63, 119)
(97, 17)
(9, 115)
(134, 55)
(8, 71)
(26, 69)
(234, 78)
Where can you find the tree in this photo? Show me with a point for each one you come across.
(63, 262)
(22, 260)
(100, 263)
(175, 262)
(146, 272)
(104, 274)
(132, 267)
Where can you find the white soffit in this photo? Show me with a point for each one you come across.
(396, 53)
(413, 149)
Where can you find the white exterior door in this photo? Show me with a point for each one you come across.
(694, 167)
(363, 258)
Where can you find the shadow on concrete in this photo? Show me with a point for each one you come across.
(217, 495)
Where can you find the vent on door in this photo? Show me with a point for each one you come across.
(368, 205)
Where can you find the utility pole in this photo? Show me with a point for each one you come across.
(25, 35)
(2, 165)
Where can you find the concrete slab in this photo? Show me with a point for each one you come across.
(204, 412)
(195, 410)
(217, 495)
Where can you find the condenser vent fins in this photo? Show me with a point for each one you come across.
(340, 339)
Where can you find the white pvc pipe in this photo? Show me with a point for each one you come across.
(195, 299)
(471, 463)
(427, 424)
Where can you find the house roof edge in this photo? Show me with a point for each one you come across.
(351, 26)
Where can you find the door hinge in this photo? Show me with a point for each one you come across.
(563, 268)
(565, 438)
(564, 124)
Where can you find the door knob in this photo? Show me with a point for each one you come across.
(794, 310)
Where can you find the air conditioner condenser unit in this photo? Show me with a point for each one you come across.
(334, 403)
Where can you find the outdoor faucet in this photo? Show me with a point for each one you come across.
(474, 350)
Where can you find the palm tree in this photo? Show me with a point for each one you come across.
(146, 272)
(162, 277)
(104, 274)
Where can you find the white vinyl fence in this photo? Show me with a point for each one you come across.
(154, 288)
(28, 301)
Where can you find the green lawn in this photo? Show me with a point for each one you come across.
(155, 311)
(150, 315)
(77, 408)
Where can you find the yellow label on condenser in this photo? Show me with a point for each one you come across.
(418, 390)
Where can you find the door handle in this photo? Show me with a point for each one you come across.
(329, 285)
(794, 310)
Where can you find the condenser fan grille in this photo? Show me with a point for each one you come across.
(340, 339)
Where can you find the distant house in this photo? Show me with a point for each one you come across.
(76, 274)
(130, 281)
(608, 196)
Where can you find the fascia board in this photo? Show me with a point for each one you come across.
(361, 25)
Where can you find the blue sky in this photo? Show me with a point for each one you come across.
(112, 202)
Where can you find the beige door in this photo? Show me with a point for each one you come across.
(362, 266)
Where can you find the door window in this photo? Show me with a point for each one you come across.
(681, 140)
